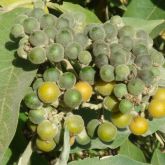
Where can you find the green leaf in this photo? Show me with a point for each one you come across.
(155, 125)
(70, 7)
(146, 9)
(158, 158)
(114, 160)
(132, 151)
(147, 25)
(157, 30)
(6, 156)
(97, 144)
(16, 75)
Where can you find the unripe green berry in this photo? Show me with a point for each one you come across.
(120, 90)
(136, 86)
(46, 130)
(107, 73)
(125, 106)
(55, 52)
(37, 55)
(17, 31)
(30, 25)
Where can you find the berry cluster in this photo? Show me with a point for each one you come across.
(111, 63)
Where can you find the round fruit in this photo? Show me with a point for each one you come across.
(126, 31)
(55, 52)
(139, 125)
(82, 39)
(45, 146)
(67, 80)
(125, 106)
(31, 101)
(47, 20)
(46, 130)
(85, 89)
(107, 132)
(121, 120)
(160, 94)
(72, 50)
(72, 98)
(38, 38)
(100, 47)
(101, 60)
(17, 31)
(48, 92)
(96, 32)
(122, 72)
(136, 86)
(74, 123)
(51, 32)
(120, 90)
(87, 74)
(30, 24)
(104, 88)
(85, 57)
(37, 55)
(107, 73)
(64, 36)
(51, 74)
(156, 108)
(37, 116)
(110, 30)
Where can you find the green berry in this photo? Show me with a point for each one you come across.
(46, 130)
(74, 123)
(125, 106)
(31, 101)
(67, 80)
(107, 132)
(72, 98)
(87, 74)
(17, 31)
(38, 38)
(51, 74)
(45, 146)
(107, 73)
(37, 55)
(30, 25)
(136, 86)
(120, 90)
(55, 52)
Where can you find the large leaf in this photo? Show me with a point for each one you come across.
(68, 7)
(158, 158)
(114, 160)
(15, 76)
(6, 156)
(155, 125)
(132, 151)
(150, 26)
(146, 9)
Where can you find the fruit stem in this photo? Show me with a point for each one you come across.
(92, 106)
